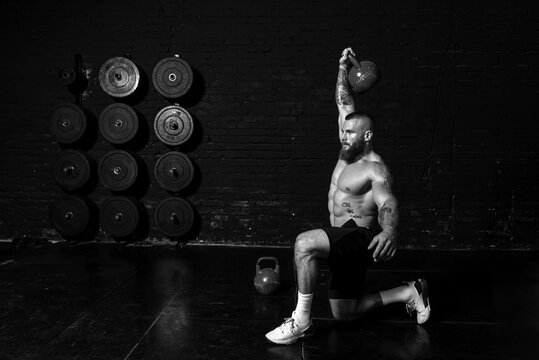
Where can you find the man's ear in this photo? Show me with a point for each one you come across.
(368, 135)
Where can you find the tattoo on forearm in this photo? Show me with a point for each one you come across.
(388, 216)
(342, 90)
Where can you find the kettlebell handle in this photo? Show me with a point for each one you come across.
(353, 61)
(272, 258)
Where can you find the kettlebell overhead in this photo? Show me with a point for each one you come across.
(363, 75)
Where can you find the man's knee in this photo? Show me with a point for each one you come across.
(343, 315)
(309, 244)
(344, 309)
(303, 245)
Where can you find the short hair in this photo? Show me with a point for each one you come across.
(361, 116)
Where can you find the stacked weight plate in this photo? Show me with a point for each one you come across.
(118, 170)
(120, 215)
(72, 170)
(119, 77)
(71, 215)
(118, 123)
(67, 123)
(173, 125)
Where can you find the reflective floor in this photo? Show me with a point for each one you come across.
(110, 301)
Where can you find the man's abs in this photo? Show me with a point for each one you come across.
(344, 206)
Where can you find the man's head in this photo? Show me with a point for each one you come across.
(356, 135)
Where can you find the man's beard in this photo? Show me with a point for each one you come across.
(353, 150)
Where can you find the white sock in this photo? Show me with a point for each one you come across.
(398, 294)
(303, 308)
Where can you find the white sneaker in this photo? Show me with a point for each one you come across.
(420, 300)
(289, 331)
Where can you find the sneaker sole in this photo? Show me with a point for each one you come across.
(425, 297)
(424, 291)
(308, 332)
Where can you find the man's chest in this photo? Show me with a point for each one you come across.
(353, 179)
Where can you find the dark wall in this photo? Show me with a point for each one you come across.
(455, 111)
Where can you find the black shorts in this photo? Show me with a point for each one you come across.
(349, 259)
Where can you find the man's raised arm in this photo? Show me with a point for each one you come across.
(343, 96)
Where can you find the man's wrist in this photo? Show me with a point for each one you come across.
(390, 230)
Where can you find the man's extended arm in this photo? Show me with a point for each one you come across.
(343, 95)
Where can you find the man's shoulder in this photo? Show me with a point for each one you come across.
(377, 169)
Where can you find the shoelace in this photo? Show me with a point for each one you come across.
(287, 321)
(412, 306)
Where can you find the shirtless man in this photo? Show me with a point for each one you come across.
(364, 216)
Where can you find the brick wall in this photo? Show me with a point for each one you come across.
(455, 110)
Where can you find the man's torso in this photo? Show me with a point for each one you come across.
(350, 193)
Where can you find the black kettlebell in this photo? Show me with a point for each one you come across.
(267, 280)
(363, 75)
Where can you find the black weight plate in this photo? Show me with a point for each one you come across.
(174, 216)
(173, 125)
(120, 216)
(174, 171)
(67, 76)
(172, 77)
(72, 169)
(119, 77)
(67, 123)
(70, 215)
(118, 170)
(118, 123)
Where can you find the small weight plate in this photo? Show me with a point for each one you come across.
(72, 169)
(70, 215)
(67, 123)
(118, 123)
(173, 125)
(120, 216)
(119, 77)
(67, 76)
(174, 216)
(172, 77)
(118, 170)
(174, 171)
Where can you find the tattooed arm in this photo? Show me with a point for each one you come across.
(388, 213)
(343, 94)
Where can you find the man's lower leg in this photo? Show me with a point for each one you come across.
(307, 273)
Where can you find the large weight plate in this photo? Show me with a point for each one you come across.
(174, 216)
(174, 171)
(173, 125)
(118, 170)
(118, 123)
(172, 77)
(119, 77)
(70, 215)
(72, 170)
(120, 216)
(67, 123)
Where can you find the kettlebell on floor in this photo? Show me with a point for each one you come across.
(267, 280)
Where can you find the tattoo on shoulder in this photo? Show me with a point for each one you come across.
(388, 182)
(382, 173)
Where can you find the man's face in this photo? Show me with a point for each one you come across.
(352, 141)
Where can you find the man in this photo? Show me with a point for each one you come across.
(364, 216)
